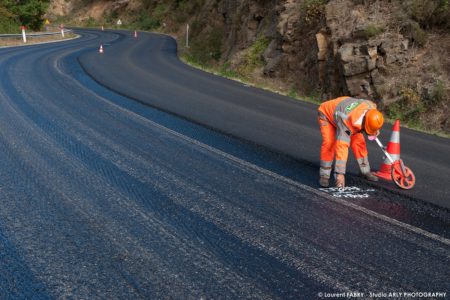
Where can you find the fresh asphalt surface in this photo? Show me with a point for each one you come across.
(104, 196)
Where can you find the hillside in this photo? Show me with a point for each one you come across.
(394, 52)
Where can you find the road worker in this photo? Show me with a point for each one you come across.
(342, 122)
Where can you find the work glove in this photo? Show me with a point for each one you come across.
(340, 180)
(374, 136)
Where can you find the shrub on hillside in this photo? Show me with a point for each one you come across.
(8, 23)
(429, 13)
(148, 22)
(372, 30)
(408, 108)
(439, 93)
(414, 33)
(206, 46)
(312, 11)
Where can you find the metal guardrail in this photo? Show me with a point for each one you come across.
(19, 35)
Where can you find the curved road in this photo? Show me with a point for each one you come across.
(148, 70)
(104, 196)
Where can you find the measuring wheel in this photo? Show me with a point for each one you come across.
(402, 175)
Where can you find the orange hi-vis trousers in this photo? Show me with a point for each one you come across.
(329, 146)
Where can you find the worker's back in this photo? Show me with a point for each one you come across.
(349, 110)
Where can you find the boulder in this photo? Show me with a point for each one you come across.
(272, 65)
(359, 86)
(357, 65)
(346, 53)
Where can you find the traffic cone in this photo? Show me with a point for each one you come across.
(101, 49)
(103, 28)
(135, 34)
(393, 148)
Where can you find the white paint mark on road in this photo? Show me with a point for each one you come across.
(349, 192)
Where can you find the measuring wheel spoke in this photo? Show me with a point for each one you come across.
(403, 176)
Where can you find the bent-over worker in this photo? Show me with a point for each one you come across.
(342, 122)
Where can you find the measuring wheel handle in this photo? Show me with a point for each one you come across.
(402, 175)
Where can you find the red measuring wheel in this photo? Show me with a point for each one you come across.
(402, 175)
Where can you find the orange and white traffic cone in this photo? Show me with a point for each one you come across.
(100, 50)
(135, 34)
(393, 148)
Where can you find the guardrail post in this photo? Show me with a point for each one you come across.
(24, 35)
(187, 35)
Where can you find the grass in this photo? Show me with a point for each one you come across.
(254, 57)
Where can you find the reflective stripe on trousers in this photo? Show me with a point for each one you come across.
(328, 145)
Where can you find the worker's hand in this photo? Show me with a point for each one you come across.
(340, 180)
(373, 136)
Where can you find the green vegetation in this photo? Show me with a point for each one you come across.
(293, 93)
(408, 108)
(254, 57)
(419, 15)
(429, 13)
(412, 105)
(413, 31)
(111, 17)
(373, 30)
(439, 93)
(22, 12)
(207, 48)
(91, 22)
(226, 71)
(147, 22)
(8, 22)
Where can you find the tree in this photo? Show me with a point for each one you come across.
(27, 12)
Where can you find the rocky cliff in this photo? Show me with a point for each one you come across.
(394, 52)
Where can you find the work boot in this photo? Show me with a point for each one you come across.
(364, 168)
(370, 176)
(324, 181)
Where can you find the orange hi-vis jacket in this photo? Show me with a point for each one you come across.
(346, 115)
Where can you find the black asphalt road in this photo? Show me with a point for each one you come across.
(149, 70)
(104, 196)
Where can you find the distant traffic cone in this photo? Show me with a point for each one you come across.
(393, 148)
(103, 28)
(101, 49)
(135, 34)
